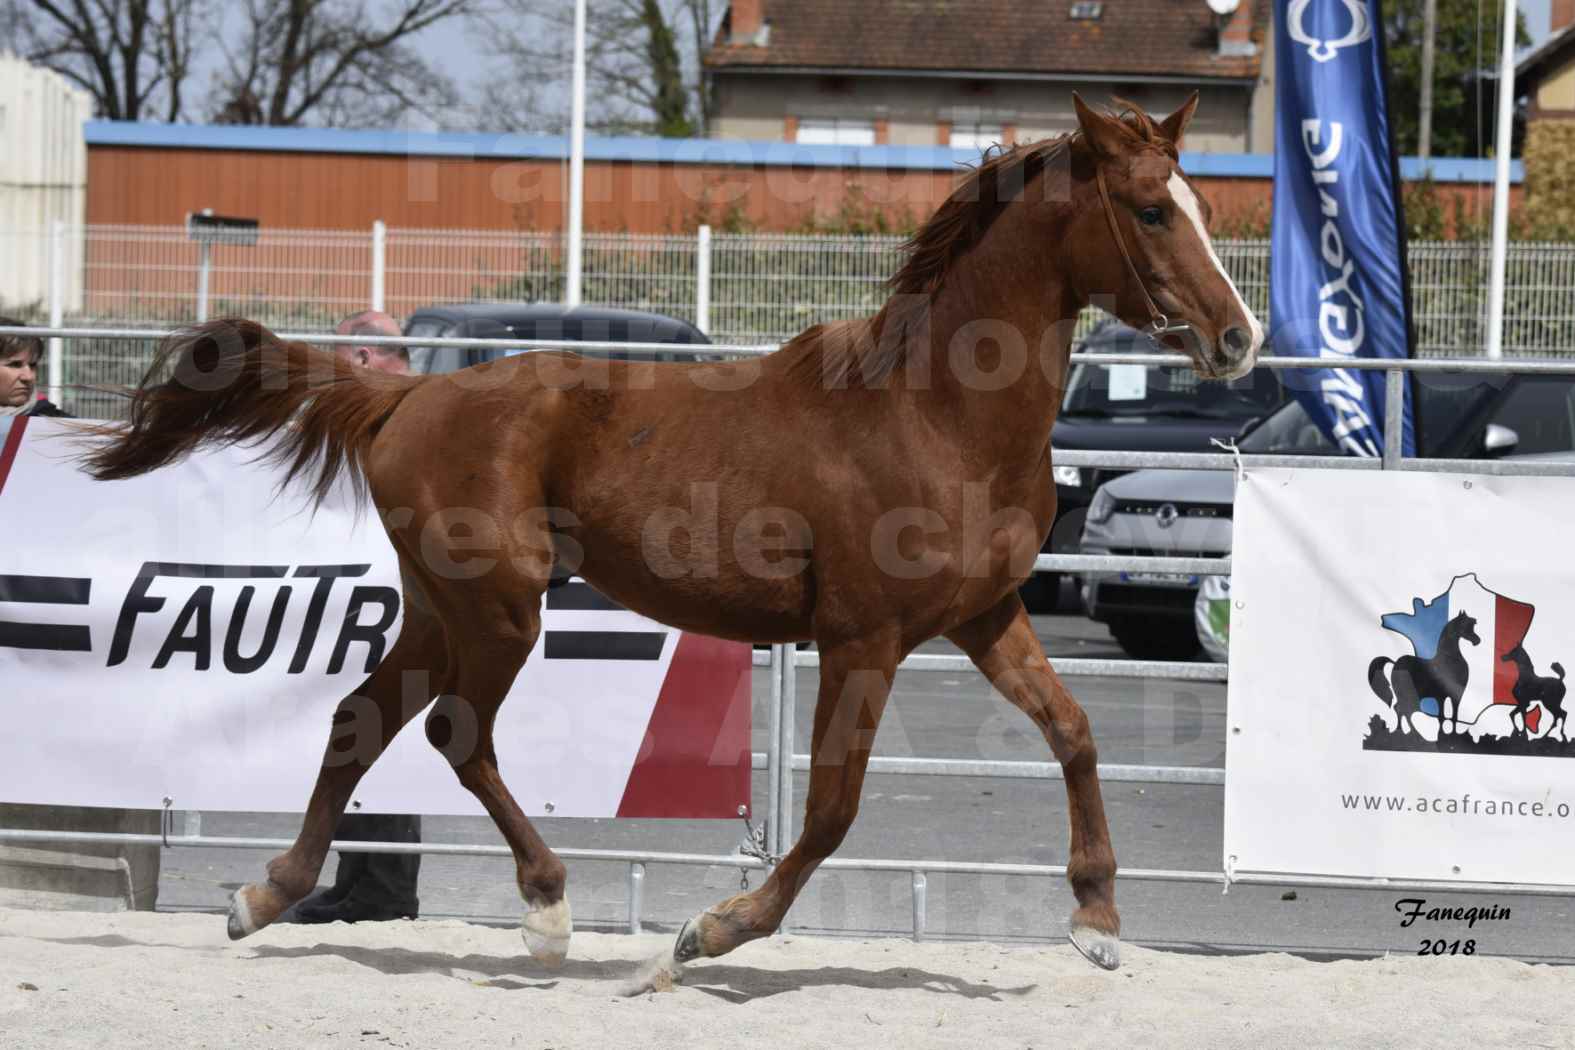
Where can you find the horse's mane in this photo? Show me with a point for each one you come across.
(957, 225)
(962, 219)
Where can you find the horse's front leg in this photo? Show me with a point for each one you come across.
(1002, 644)
(364, 725)
(855, 680)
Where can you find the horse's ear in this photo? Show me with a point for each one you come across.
(1175, 125)
(1104, 134)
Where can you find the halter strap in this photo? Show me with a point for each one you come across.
(1158, 322)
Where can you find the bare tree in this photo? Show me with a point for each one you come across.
(133, 56)
(333, 62)
(642, 64)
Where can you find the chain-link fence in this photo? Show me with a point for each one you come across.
(757, 287)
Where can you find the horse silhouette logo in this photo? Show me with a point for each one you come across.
(1470, 684)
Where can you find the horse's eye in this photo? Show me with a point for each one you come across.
(1151, 216)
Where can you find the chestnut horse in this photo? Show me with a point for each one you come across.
(871, 485)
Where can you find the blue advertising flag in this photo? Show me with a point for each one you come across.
(1337, 283)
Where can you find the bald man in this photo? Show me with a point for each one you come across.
(370, 887)
(395, 359)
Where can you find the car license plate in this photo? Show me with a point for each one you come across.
(1164, 579)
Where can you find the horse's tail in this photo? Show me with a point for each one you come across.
(1558, 669)
(232, 381)
(1376, 679)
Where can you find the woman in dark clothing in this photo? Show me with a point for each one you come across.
(19, 359)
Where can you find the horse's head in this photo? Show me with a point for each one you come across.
(1465, 626)
(1143, 239)
(1515, 655)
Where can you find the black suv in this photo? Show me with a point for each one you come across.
(1136, 408)
(1189, 513)
(599, 324)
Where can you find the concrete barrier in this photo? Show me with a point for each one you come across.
(80, 877)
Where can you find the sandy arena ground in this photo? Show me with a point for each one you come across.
(139, 979)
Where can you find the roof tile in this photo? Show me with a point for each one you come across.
(1131, 37)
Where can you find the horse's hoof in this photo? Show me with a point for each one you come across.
(687, 947)
(254, 906)
(1098, 947)
(546, 931)
(240, 923)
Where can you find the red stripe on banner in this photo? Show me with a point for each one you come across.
(694, 760)
(13, 441)
(1511, 621)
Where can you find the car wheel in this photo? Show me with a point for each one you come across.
(1148, 638)
(1041, 592)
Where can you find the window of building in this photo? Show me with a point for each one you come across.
(836, 132)
(1087, 10)
(975, 136)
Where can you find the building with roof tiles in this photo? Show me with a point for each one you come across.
(1546, 78)
(967, 73)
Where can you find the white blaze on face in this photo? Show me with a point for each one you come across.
(1187, 201)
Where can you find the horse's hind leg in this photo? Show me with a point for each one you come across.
(855, 679)
(364, 724)
(495, 632)
(1002, 644)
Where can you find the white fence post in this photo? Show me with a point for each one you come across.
(576, 261)
(379, 263)
(703, 280)
(1500, 257)
(777, 766)
(785, 744)
(204, 268)
(57, 308)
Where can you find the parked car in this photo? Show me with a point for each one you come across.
(542, 321)
(1188, 513)
(1135, 408)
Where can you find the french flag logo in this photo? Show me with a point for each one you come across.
(1501, 624)
(1478, 679)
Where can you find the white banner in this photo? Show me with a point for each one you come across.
(189, 633)
(1398, 652)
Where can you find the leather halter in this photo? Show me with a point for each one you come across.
(1159, 324)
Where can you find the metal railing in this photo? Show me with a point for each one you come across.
(781, 760)
(739, 287)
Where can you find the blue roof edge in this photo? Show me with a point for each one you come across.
(519, 146)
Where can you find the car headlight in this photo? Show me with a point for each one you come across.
(1071, 477)
(1102, 508)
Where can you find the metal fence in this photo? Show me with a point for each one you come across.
(780, 759)
(741, 288)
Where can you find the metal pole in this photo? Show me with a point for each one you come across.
(203, 260)
(636, 895)
(785, 743)
(921, 919)
(1394, 421)
(1506, 113)
(1056, 871)
(572, 295)
(778, 760)
(703, 280)
(57, 309)
(379, 263)
(1424, 142)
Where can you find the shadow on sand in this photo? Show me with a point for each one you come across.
(740, 984)
(730, 983)
(516, 972)
(736, 984)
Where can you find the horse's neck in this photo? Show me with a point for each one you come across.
(998, 349)
(986, 354)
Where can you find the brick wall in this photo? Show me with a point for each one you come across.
(158, 186)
